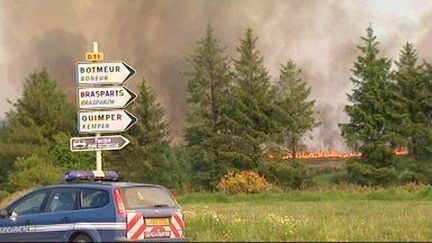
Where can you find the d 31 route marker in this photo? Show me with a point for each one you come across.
(103, 72)
(105, 98)
(105, 121)
(94, 56)
(115, 142)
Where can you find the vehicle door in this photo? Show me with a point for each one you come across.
(97, 214)
(22, 215)
(60, 214)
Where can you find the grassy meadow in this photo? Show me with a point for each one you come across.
(320, 214)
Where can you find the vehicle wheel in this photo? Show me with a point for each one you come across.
(82, 238)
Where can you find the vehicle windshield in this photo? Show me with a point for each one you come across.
(147, 197)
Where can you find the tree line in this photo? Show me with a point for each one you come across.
(234, 114)
(390, 108)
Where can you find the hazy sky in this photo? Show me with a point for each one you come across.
(154, 36)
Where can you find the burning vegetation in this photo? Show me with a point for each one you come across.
(325, 154)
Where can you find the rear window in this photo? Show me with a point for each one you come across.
(93, 198)
(147, 197)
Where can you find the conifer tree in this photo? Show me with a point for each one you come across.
(250, 108)
(295, 113)
(44, 105)
(209, 81)
(372, 113)
(34, 120)
(412, 83)
(143, 160)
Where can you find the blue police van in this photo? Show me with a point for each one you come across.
(90, 208)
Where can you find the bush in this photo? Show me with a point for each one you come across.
(327, 176)
(243, 181)
(34, 171)
(293, 174)
(368, 175)
(177, 173)
(416, 172)
(67, 159)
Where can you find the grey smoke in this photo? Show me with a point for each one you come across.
(154, 36)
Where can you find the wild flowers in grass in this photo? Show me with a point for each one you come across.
(234, 225)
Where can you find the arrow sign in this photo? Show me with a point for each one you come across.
(103, 72)
(105, 121)
(115, 142)
(105, 98)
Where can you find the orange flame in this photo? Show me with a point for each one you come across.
(325, 154)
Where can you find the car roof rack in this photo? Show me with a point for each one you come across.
(83, 175)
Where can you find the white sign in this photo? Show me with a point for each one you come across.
(103, 72)
(105, 98)
(115, 142)
(105, 121)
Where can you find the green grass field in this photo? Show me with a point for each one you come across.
(322, 213)
(328, 215)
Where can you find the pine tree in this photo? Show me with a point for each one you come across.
(412, 84)
(295, 113)
(44, 104)
(209, 81)
(34, 120)
(143, 160)
(425, 101)
(372, 113)
(250, 108)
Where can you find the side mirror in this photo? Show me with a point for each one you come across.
(4, 214)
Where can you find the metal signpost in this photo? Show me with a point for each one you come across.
(98, 93)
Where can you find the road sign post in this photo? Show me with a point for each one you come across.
(98, 151)
(96, 98)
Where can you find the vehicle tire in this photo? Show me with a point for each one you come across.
(82, 238)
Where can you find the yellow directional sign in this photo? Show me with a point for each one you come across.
(94, 56)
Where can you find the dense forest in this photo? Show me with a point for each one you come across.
(235, 114)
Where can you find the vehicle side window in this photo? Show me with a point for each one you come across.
(31, 204)
(93, 198)
(62, 200)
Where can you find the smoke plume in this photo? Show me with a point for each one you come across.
(154, 36)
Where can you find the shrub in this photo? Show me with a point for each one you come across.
(326, 176)
(243, 181)
(292, 174)
(365, 174)
(34, 171)
(416, 172)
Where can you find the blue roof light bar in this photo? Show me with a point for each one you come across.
(82, 175)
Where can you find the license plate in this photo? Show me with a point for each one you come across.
(157, 221)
